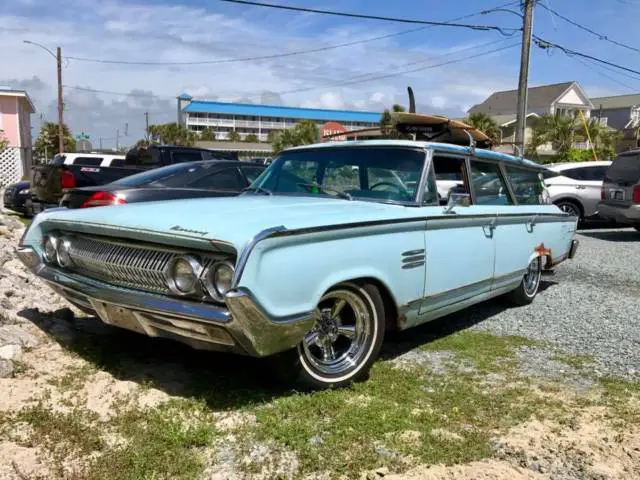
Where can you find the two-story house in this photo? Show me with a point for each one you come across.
(622, 113)
(567, 98)
(15, 127)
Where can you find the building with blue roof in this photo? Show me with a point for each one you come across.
(260, 120)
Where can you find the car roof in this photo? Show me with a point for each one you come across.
(558, 167)
(442, 147)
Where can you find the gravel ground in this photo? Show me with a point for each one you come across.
(589, 306)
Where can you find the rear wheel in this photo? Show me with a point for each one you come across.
(570, 207)
(344, 342)
(528, 288)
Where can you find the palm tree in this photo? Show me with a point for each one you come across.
(233, 136)
(559, 130)
(486, 124)
(302, 133)
(251, 138)
(386, 121)
(207, 134)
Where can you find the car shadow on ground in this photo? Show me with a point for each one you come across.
(622, 236)
(222, 381)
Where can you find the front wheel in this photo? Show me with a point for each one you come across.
(530, 284)
(344, 342)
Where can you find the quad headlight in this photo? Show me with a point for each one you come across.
(183, 275)
(50, 252)
(63, 252)
(217, 280)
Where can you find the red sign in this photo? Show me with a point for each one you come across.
(333, 128)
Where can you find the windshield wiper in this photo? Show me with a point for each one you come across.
(257, 189)
(339, 193)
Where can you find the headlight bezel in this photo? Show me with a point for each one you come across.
(63, 245)
(210, 283)
(196, 269)
(54, 241)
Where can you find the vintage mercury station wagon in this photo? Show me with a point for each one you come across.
(332, 246)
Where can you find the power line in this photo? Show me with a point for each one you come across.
(286, 54)
(587, 29)
(368, 78)
(501, 30)
(545, 45)
(602, 74)
(348, 81)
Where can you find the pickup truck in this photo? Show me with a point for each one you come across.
(77, 170)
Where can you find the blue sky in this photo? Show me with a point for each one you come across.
(189, 30)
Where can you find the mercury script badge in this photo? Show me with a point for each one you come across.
(178, 228)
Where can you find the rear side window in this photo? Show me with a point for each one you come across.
(157, 175)
(58, 160)
(488, 184)
(625, 169)
(252, 173)
(117, 163)
(88, 161)
(185, 156)
(575, 173)
(526, 185)
(226, 179)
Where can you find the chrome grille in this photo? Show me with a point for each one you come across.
(127, 265)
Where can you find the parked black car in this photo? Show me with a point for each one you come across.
(87, 170)
(213, 178)
(17, 197)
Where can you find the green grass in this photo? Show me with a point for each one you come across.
(486, 352)
(391, 420)
(161, 443)
(579, 362)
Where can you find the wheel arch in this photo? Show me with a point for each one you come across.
(389, 301)
(573, 200)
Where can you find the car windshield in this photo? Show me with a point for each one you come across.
(373, 173)
(157, 175)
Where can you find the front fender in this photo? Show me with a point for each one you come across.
(289, 275)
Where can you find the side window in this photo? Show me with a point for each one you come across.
(596, 174)
(430, 196)
(227, 179)
(526, 185)
(488, 184)
(450, 176)
(252, 173)
(88, 161)
(576, 173)
(185, 156)
(117, 162)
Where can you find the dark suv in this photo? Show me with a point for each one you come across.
(620, 196)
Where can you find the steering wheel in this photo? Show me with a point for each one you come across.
(389, 184)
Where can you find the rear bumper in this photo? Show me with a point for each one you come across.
(625, 214)
(241, 326)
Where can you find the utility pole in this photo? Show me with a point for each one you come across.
(100, 143)
(117, 140)
(146, 123)
(60, 105)
(521, 118)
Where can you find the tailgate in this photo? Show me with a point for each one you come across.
(45, 183)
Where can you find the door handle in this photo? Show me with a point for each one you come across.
(489, 228)
(531, 224)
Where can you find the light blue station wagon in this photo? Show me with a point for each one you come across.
(332, 246)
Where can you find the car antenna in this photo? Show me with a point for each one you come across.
(472, 142)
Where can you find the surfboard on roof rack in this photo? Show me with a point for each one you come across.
(435, 128)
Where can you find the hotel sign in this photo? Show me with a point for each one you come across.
(333, 128)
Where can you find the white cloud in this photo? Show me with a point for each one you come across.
(115, 29)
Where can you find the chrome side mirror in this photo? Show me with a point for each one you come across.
(457, 200)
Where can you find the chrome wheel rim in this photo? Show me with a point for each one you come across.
(532, 277)
(570, 209)
(339, 338)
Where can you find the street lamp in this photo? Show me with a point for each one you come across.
(58, 57)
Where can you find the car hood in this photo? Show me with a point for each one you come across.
(231, 220)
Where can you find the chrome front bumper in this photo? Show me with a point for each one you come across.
(241, 327)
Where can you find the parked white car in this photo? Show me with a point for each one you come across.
(575, 187)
